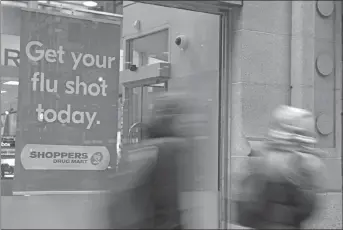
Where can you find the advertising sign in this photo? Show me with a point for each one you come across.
(67, 103)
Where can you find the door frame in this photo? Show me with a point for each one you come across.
(224, 111)
(224, 125)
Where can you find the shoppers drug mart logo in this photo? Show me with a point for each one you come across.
(96, 158)
(64, 157)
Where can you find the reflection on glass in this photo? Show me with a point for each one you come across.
(149, 49)
(109, 10)
(9, 103)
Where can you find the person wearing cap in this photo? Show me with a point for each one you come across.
(281, 192)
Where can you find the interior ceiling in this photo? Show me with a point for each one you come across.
(155, 45)
(74, 2)
(105, 6)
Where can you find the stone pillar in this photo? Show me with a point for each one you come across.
(316, 83)
(302, 54)
(260, 77)
(314, 77)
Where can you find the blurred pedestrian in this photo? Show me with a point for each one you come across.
(280, 192)
(157, 167)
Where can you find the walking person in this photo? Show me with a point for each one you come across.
(281, 190)
(150, 198)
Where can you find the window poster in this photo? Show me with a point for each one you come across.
(67, 103)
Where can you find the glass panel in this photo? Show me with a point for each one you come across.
(137, 105)
(10, 46)
(149, 49)
(136, 115)
(142, 106)
(152, 90)
(9, 103)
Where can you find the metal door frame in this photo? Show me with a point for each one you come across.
(224, 140)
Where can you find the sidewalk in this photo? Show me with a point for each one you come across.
(54, 212)
(6, 187)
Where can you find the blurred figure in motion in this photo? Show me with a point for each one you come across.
(156, 167)
(280, 192)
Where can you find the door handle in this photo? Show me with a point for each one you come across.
(131, 131)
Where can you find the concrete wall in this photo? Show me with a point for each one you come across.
(287, 52)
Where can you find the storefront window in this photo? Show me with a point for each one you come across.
(10, 62)
(10, 46)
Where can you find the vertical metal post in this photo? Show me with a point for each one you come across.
(127, 113)
(1, 21)
(224, 121)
